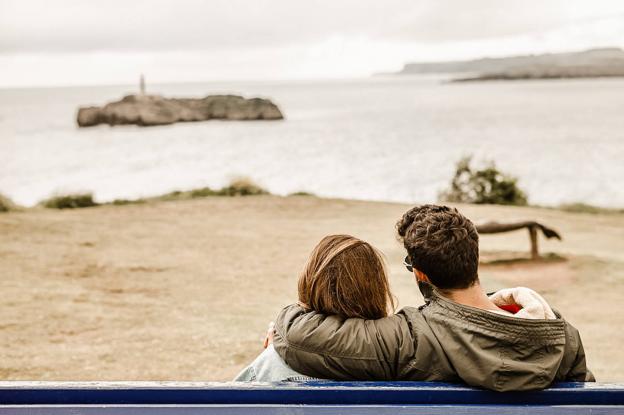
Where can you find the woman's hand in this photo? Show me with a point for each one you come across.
(269, 335)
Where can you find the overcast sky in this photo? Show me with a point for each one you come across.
(87, 42)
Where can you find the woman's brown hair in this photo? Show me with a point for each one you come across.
(346, 276)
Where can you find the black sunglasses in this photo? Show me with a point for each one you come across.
(408, 264)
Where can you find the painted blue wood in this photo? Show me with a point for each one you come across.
(310, 410)
(322, 397)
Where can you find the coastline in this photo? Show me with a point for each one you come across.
(184, 289)
(329, 124)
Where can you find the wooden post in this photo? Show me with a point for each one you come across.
(533, 236)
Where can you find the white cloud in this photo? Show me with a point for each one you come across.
(86, 42)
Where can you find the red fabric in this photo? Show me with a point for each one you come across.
(512, 308)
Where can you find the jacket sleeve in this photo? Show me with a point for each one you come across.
(575, 361)
(331, 347)
(579, 371)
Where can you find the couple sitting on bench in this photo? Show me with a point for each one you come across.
(343, 327)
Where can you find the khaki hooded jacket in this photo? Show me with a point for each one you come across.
(439, 341)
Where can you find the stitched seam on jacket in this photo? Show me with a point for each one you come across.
(501, 375)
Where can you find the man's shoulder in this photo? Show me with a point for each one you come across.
(414, 317)
(412, 311)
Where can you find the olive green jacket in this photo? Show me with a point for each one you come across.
(440, 341)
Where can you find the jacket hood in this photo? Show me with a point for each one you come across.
(531, 304)
(497, 351)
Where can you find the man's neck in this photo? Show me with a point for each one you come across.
(473, 296)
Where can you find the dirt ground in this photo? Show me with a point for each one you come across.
(184, 290)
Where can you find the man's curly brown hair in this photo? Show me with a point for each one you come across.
(442, 243)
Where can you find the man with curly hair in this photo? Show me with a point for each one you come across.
(511, 340)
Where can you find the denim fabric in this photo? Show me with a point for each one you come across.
(269, 367)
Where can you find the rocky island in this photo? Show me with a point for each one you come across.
(150, 110)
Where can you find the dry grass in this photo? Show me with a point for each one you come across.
(6, 204)
(183, 290)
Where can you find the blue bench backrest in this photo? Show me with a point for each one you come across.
(302, 398)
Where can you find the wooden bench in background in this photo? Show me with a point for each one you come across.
(378, 398)
(532, 226)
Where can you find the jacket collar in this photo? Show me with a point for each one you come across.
(539, 330)
(427, 290)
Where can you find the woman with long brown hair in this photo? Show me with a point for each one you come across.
(344, 276)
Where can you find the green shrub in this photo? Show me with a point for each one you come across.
(122, 202)
(6, 204)
(203, 192)
(73, 201)
(483, 186)
(175, 195)
(237, 187)
(242, 187)
(302, 193)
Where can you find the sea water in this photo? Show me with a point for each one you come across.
(395, 139)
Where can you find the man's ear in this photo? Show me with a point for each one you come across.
(421, 276)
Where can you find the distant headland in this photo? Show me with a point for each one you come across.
(592, 63)
(151, 110)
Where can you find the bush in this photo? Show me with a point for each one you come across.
(483, 186)
(123, 202)
(302, 193)
(237, 187)
(6, 204)
(175, 195)
(74, 201)
(242, 187)
(203, 192)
